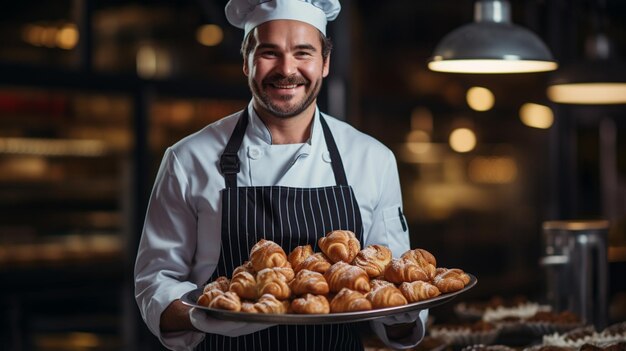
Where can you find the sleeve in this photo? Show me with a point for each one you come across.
(389, 226)
(166, 251)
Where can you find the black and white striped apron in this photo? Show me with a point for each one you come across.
(290, 217)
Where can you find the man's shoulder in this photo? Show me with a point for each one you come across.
(214, 135)
(347, 135)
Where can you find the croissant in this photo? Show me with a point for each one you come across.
(340, 245)
(373, 259)
(207, 296)
(244, 285)
(267, 254)
(386, 296)
(248, 307)
(310, 304)
(418, 290)
(299, 254)
(450, 280)
(316, 262)
(376, 283)
(269, 304)
(273, 281)
(245, 267)
(349, 301)
(404, 270)
(309, 282)
(342, 275)
(227, 301)
(221, 283)
(423, 259)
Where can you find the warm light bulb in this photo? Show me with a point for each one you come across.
(491, 66)
(536, 116)
(209, 35)
(67, 36)
(480, 99)
(588, 93)
(462, 140)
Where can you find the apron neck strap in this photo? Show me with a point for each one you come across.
(230, 164)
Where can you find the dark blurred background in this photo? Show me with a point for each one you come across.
(92, 92)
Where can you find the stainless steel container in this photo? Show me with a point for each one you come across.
(577, 268)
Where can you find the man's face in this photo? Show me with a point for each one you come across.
(285, 68)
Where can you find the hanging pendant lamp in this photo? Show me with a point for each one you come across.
(600, 78)
(492, 44)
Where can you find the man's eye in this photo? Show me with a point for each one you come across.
(268, 53)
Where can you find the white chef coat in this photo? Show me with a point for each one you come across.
(180, 243)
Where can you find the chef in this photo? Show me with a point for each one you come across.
(280, 170)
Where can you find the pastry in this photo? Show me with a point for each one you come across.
(423, 259)
(227, 301)
(418, 290)
(221, 283)
(373, 259)
(248, 307)
(298, 255)
(267, 254)
(245, 267)
(386, 296)
(310, 304)
(207, 296)
(269, 304)
(309, 282)
(274, 281)
(342, 275)
(349, 301)
(376, 283)
(450, 280)
(340, 245)
(244, 285)
(404, 270)
(316, 262)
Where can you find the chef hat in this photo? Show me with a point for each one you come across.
(248, 14)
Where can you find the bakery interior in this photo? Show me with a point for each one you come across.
(92, 92)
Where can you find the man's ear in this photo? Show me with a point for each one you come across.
(326, 67)
(246, 69)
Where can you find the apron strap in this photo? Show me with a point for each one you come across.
(230, 164)
(335, 157)
(229, 161)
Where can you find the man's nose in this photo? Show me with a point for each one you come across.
(287, 65)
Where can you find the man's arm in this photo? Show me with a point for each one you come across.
(176, 318)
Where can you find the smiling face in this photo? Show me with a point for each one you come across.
(285, 68)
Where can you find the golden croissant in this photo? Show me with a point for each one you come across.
(267, 254)
(418, 290)
(450, 280)
(221, 283)
(340, 245)
(316, 262)
(244, 285)
(227, 301)
(404, 270)
(269, 304)
(423, 259)
(386, 296)
(373, 259)
(245, 267)
(208, 295)
(299, 254)
(349, 301)
(342, 275)
(273, 281)
(309, 282)
(310, 304)
(376, 283)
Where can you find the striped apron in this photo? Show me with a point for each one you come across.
(290, 217)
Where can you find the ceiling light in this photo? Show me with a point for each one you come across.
(492, 44)
(462, 140)
(480, 99)
(536, 115)
(597, 80)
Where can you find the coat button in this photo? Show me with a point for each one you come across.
(254, 153)
(326, 156)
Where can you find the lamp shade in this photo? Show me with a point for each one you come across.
(492, 44)
(598, 80)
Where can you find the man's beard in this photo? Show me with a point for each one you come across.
(290, 110)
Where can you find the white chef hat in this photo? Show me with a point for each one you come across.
(248, 14)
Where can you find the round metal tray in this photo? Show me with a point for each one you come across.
(191, 297)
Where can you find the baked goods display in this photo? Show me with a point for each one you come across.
(341, 278)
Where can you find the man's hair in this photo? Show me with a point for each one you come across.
(249, 42)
